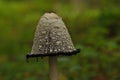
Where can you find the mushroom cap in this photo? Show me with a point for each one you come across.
(52, 38)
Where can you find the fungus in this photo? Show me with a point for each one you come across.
(52, 39)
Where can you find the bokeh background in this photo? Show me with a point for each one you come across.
(94, 26)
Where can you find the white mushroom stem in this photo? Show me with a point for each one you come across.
(53, 73)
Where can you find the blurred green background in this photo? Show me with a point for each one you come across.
(94, 26)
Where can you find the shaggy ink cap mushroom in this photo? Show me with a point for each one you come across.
(51, 38)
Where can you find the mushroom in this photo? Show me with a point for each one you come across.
(52, 39)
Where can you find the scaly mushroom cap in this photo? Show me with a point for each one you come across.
(52, 38)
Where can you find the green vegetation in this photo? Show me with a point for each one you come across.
(93, 25)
